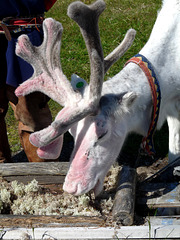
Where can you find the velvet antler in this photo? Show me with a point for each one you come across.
(49, 78)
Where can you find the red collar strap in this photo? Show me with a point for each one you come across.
(147, 146)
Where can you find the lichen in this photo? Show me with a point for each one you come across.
(5, 196)
(32, 199)
(18, 188)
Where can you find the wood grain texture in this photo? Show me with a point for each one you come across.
(42, 168)
(42, 180)
(50, 221)
(124, 202)
(159, 195)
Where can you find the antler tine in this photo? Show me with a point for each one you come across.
(48, 76)
(87, 19)
(120, 50)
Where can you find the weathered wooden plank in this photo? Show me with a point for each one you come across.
(50, 221)
(124, 202)
(42, 180)
(159, 195)
(40, 168)
(162, 220)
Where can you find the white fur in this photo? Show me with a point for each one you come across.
(163, 51)
(131, 114)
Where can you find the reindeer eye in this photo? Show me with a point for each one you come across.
(102, 135)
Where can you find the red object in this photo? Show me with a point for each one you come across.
(26, 21)
(147, 68)
(49, 4)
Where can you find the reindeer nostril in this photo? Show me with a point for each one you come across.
(87, 155)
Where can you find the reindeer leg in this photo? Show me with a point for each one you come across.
(174, 138)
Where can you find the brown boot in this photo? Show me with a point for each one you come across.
(33, 111)
(33, 114)
(29, 149)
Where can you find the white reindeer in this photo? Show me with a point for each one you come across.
(101, 115)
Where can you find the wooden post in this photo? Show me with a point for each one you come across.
(124, 202)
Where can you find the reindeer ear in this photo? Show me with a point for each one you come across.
(78, 83)
(110, 103)
(128, 98)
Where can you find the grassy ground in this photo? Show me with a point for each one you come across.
(119, 16)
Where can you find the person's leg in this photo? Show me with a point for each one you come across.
(5, 154)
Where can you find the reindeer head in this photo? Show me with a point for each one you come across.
(86, 114)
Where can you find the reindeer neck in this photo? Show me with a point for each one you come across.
(132, 79)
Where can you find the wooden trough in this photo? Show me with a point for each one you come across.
(126, 202)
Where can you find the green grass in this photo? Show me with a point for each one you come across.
(119, 16)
